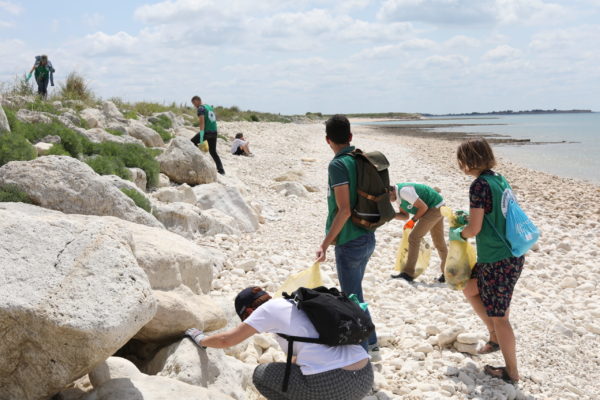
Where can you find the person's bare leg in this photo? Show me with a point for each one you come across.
(472, 294)
(508, 344)
(246, 148)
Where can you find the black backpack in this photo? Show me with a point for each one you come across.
(373, 207)
(338, 320)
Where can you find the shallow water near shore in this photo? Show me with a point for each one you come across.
(566, 145)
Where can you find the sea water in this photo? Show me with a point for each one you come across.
(563, 144)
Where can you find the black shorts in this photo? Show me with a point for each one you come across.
(239, 152)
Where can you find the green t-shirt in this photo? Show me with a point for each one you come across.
(490, 247)
(342, 171)
(42, 71)
(427, 194)
(210, 118)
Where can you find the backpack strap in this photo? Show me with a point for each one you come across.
(290, 351)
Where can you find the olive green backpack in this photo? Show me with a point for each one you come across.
(373, 207)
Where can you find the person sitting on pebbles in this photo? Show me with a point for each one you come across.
(240, 146)
(424, 203)
(318, 371)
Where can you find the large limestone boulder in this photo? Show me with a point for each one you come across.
(229, 201)
(209, 368)
(72, 294)
(175, 194)
(113, 368)
(189, 221)
(182, 162)
(31, 117)
(68, 185)
(111, 111)
(176, 120)
(185, 132)
(171, 261)
(291, 188)
(93, 117)
(179, 310)
(121, 183)
(99, 135)
(139, 178)
(149, 136)
(4, 126)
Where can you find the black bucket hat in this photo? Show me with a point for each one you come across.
(245, 298)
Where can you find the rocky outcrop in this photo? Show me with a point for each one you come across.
(182, 162)
(188, 220)
(98, 135)
(149, 136)
(68, 185)
(111, 111)
(291, 188)
(32, 117)
(93, 118)
(177, 311)
(138, 176)
(72, 294)
(4, 126)
(229, 201)
(209, 368)
(175, 194)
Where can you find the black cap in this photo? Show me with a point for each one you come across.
(245, 298)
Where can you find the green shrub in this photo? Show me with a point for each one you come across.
(58, 150)
(253, 118)
(76, 88)
(130, 114)
(15, 147)
(133, 156)
(147, 109)
(20, 87)
(163, 121)
(115, 132)
(41, 105)
(12, 194)
(108, 165)
(140, 200)
(166, 136)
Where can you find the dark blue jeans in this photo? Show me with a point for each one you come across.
(351, 260)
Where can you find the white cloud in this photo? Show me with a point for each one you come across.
(101, 44)
(448, 61)
(6, 24)
(10, 7)
(530, 11)
(93, 20)
(462, 41)
(502, 53)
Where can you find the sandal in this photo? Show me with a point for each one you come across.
(489, 347)
(500, 373)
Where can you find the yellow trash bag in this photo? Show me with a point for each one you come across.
(461, 256)
(402, 254)
(309, 278)
(203, 146)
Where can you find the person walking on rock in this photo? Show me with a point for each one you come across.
(496, 272)
(44, 74)
(318, 371)
(208, 127)
(423, 203)
(353, 244)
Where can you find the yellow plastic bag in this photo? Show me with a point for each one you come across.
(203, 146)
(402, 254)
(461, 257)
(309, 278)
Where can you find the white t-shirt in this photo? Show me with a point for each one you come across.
(409, 193)
(236, 144)
(282, 316)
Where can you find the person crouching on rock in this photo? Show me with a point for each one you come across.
(318, 371)
(424, 203)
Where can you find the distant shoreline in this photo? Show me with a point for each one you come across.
(509, 112)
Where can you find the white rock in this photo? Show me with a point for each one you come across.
(175, 194)
(185, 132)
(468, 338)
(179, 310)
(149, 136)
(32, 117)
(113, 368)
(93, 117)
(249, 265)
(229, 201)
(188, 220)
(466, 379)
(291, 188)
(163, 181)
(291, 176)
(138, 176)
(72, 294)
(4, 126)
(111, 111)
(568, 282)
(209, 368)
(99, 135)
(593, 328)
(466, 348)
(448, 336)
(68, 185)
(152, 388)
(182, 162)
(424, 348)
(42, 148)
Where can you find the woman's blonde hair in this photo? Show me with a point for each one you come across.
(475, 154)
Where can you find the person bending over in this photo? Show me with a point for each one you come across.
(319, 371)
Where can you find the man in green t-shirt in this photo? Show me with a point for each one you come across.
(44, 74)
(423, 203)
(208, 128)
(353, 244)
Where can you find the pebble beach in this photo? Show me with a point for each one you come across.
(427, 331)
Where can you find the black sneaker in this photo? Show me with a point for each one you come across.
(441, 279)
(404, 276)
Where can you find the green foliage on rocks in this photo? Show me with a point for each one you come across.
(12, 194)
(140, 200)
(15, 147)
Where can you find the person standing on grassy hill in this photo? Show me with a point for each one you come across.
(208, 128)
(353, 244)
(44, 74)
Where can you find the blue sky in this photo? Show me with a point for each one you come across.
(437, 56)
